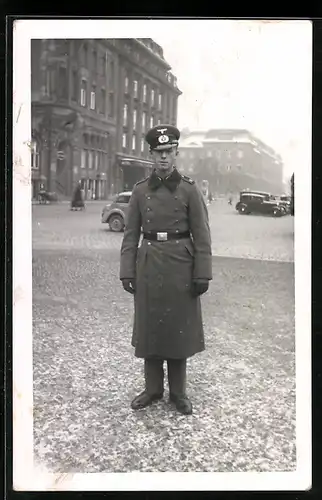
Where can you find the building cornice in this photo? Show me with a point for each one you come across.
(162, 79)
(153, 54)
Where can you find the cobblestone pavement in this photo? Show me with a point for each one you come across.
(234, 235)
(85, 375)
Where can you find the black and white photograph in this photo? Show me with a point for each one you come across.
(161, 254)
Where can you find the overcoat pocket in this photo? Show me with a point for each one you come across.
(190, 249)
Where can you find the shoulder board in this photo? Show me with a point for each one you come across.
(142, 180)
(188, 179)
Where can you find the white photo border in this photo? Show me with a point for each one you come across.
(32, 477)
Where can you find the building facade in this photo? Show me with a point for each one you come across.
(92, 102)
(231, 160)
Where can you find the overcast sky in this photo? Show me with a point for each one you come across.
(246, 74)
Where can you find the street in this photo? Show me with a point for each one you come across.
(85, 374)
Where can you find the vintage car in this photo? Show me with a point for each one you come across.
(45, 196)
(259, 202)
(286, 201)
(114, 213)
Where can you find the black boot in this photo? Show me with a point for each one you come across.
(144, 399)
(182, 403)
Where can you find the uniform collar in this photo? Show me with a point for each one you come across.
(171, 181)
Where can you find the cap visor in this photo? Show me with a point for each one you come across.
(162, 147)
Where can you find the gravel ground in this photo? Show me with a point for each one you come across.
(85, 374)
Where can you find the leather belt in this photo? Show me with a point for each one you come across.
(164, 236)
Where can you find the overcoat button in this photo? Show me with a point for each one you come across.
(148, 220)
(177, 221)
(149, 242)
(177, 230)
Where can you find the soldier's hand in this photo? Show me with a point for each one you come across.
(199, 286)
(129, 285)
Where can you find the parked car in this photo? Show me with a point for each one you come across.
(114, 213)
(259, 202)
(286, 201)
(47, 196)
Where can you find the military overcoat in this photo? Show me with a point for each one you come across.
(167, 317)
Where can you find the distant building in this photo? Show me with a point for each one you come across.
(92, 101)
(231, 160)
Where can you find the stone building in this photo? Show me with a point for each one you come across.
(231, 160)
(92, 101)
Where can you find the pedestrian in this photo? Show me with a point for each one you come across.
(168, 272)
(77, 198)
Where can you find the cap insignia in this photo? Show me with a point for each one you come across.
(163, 139)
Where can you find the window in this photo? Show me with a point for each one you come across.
(103, 101)
(228, 153)
(74, 85)
(151, 121)
(84, 55)
(144, 93)
(90, 159)
(112, 74)
(133, 143)
(83, 93)
(125, 115)
(142, 145)
(62, 82)
(124, 141)
(218, 153)
(160, 101)
(83, 158)
(126, 85)
(93, 98)
(94, 61)
(143, 120)
(169, 104)
(240, 153)
(111, 104)
(123, 199)
(104, 160)
(103, 64)
(135, 88)
(228, 168)
(34, 155)
(96, 160)
(134, 118)
(209, 154)
(159, 121)
(152, 97)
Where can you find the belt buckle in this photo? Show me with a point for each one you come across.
(162, 236)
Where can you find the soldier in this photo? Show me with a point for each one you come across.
(168, 272)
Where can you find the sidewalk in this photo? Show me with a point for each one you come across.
(67, 202)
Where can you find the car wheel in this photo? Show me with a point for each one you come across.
(277, 212)
(116, 223)
(243, 209)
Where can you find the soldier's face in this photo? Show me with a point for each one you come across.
(164, 159)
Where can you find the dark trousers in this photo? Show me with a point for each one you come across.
(154, 376)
